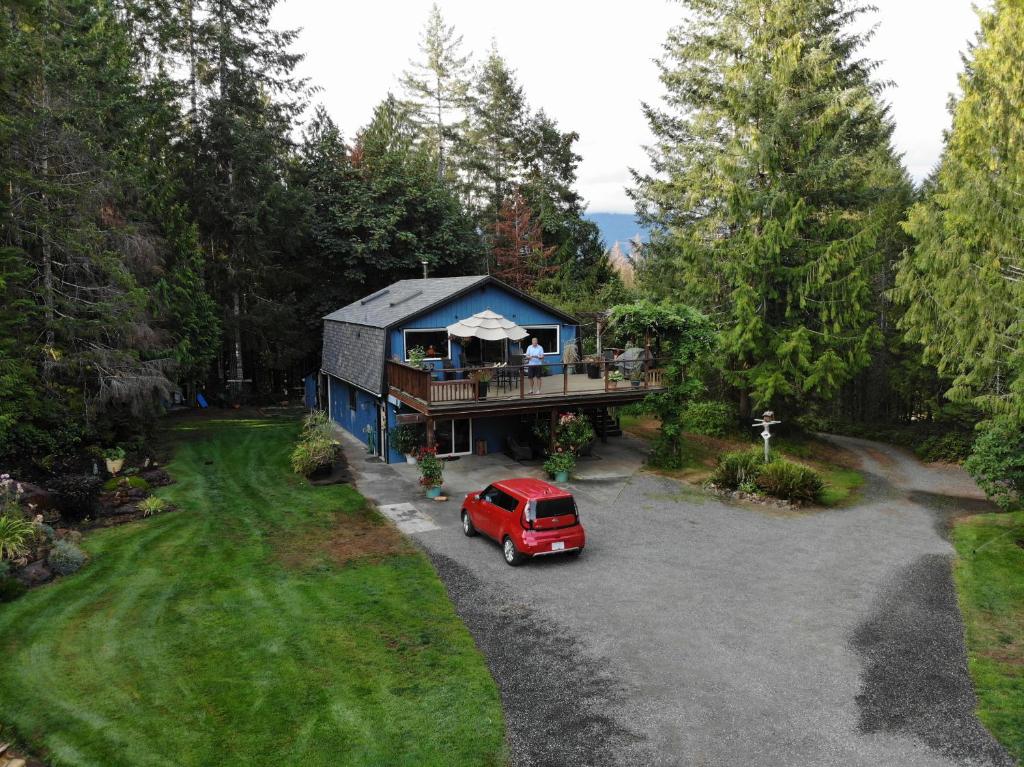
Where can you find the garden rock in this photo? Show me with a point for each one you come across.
(156, 477)
(35, 574)
(36, 496)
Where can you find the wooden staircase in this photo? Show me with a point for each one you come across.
(604, 423)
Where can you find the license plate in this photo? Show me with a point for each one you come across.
(560, 546)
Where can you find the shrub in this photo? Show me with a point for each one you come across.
(557, 462)
(405, 439)
(76, 494)
(152, 505)
(66, 558)
(953, 447)
(15, 535)
(790, 481)
(737, 468)
(317, 422)
(313, 452)
(713, 419)
(431, 467)
(997, 461)
(11, 588)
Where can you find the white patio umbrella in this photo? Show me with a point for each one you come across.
(487, 326)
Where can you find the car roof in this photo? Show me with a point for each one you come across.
(532, 488)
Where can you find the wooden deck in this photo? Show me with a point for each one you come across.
(509, 390)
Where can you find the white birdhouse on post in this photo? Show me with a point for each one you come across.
(765, 421)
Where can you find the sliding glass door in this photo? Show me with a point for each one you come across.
(454, 436)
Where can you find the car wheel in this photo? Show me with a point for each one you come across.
(467, 525)
(512, 555)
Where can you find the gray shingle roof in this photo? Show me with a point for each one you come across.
(355, 353)
(402, 299)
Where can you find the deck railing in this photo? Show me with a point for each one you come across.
(438, 385)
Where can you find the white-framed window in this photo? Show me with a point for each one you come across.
(549, 337)
(435, 342)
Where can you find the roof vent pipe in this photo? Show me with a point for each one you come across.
(424, 262)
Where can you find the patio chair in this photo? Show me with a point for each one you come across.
(517, 451)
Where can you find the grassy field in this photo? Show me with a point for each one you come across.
(266, 622)
(842, 481)
(990, 582)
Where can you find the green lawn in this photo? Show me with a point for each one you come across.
(266, 622)
(990, 583)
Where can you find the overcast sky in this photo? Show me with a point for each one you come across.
(589, 65)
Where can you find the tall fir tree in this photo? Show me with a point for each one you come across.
(962, 282)
(239, 75)
(77, 255)
(437, 87)
(768, 193)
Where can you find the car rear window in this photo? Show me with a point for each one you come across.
(555, 507)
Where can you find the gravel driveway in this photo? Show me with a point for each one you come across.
(694, 632)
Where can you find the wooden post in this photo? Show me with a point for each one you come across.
(554, 427)
(565, 378)
(431, 440)
(604, 425)
(522, 383)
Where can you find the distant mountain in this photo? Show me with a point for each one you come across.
(618, 228)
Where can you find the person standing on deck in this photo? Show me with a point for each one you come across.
(534, 366)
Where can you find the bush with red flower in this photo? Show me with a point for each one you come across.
(431, 467)
(574, 433)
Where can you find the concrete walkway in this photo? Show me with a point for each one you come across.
(695, 632)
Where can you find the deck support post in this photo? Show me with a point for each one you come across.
(431, 441)
(554, 428)
(604, 425)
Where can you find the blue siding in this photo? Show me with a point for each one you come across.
(353, 421)
(393, 455)
(491, 297)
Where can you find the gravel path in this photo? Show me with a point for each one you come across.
(695, 632)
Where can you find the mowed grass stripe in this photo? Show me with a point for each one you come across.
(186, 641)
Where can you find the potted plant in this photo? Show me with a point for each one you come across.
(406, 440)
(114, 458)
(483, 381)
(416, 356)
(559, 465)
(614, 378)
(431, 471)
(636, 376)
(593, 364)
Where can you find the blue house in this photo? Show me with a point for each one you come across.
(466, 394)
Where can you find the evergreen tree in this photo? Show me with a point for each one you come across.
(489, 153)
(374, 212)
(767, 198)
(437, 88)
(961, 282)
(238, 148)
(73, 257)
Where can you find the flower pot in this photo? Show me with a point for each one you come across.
(410, 458)
(613, 384)
(636, 384)
(114, 465)
(433, 492)
(561, 476)
(482, 387)
(593, 371)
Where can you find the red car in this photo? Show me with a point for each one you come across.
(528, 517)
